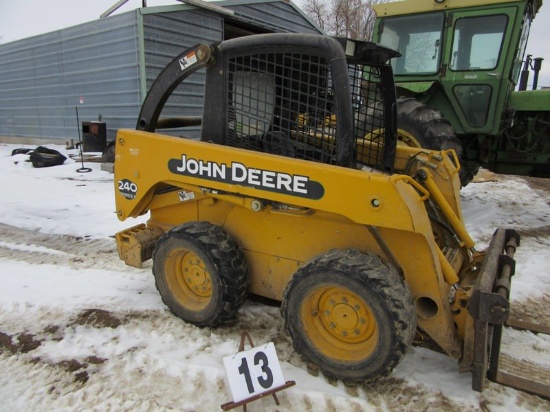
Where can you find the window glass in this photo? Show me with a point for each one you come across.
(474, 100)
(418, 38)
(477, 42)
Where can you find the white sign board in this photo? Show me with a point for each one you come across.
(253, 372)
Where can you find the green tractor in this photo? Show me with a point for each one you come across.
(462, 79)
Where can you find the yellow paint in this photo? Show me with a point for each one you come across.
(398, 8)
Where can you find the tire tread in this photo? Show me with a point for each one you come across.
(228, 258)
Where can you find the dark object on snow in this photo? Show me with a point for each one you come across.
(94, 136)
(44, 157)
(21, 150)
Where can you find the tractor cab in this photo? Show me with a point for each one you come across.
(463, 57)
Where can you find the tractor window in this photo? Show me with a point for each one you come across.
(474, 101)
(418, 38)
(477, 42)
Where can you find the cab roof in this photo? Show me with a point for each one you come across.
(398, 8)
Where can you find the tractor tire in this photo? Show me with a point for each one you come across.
(201, 273)
(423, 126)
(350, 315)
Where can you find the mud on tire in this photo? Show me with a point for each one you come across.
(201, 273)
(349, 314)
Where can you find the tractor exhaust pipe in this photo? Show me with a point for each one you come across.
(530, 63)
(524, 78)
(537, 64)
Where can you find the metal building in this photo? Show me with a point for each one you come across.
(105, 67)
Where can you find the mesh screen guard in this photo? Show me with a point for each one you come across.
(285, 103)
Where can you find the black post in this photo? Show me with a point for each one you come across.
(82, 169)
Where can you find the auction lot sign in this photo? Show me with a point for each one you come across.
(253, 372)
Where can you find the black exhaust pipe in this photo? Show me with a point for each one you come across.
(524, 78)
(536, 68)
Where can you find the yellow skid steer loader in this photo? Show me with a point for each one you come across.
(298, 192)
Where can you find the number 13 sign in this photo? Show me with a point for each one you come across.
(253, 372)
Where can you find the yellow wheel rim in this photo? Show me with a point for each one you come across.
(406, 139)
(339, 323)
(188, 279)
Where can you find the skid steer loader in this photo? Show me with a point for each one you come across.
(298, 192)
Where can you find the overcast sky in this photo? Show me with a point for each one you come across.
(25, 18)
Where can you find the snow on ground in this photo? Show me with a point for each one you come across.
(79, 330)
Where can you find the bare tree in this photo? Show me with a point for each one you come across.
(318, 11)
(346, 18)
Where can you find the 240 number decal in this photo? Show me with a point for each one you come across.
(127, 188)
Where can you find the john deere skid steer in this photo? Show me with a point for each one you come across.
(297, 192)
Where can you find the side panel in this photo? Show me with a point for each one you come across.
(365, 198)
(530, 101)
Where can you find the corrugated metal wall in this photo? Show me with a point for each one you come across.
(43, 78)
(166, 35)
(277, 16)
(110, 63)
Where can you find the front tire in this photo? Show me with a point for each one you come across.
(200, 273)
(349, 314)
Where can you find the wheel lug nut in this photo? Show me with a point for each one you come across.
(344, 300)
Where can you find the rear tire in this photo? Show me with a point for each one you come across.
(200, 273)
(349, 314)
(423, 126)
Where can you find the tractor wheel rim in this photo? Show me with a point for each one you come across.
(189, 279)
(340, 323)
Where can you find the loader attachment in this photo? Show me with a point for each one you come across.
(490, 308)
(489, 305)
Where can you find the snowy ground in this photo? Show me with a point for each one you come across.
(79, 330)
